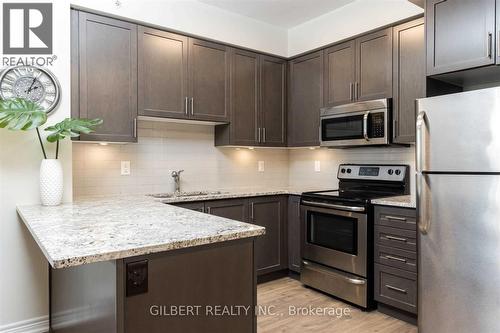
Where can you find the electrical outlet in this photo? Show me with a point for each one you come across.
(125, 168)
(317, 166)
(261, 166)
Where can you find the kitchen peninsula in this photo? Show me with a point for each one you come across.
(114, 260)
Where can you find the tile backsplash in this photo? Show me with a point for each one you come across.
(164, 147)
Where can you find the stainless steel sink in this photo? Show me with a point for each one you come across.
(183, 194)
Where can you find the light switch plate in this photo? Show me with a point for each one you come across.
(317, 166)
(261, 167)
(125, 170)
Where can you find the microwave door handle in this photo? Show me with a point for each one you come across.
(365, 125)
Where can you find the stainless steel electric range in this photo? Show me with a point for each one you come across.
(337, 230)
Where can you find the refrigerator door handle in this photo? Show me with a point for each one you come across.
(423, 203)
(420, 141)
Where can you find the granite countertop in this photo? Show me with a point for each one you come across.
(100, 229)
(405, 201)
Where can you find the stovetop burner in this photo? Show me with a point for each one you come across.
(356, 185)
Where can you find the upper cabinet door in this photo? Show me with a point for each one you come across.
(408, 78)
(305, 100)
(460, 34)
(374, 73)
(273, 101)
(340, 74)
(162, 74)
(244, 98)
(107, 57)
(209, 66)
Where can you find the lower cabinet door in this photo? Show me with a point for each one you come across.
(270, 249)
(234, 209)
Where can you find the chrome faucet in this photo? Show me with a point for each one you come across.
(176, 175)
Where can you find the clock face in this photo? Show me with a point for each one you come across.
(31, 83)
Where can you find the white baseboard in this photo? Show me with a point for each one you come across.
(33, 325)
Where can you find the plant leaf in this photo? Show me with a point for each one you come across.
(70, 127)
(21, 114)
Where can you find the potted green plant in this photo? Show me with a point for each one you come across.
(24, 115)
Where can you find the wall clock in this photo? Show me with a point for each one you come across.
(32, 83)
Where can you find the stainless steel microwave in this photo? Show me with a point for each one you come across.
(356, 124)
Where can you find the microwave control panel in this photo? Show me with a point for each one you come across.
(377, 125)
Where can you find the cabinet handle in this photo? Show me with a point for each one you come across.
(258, 135)
(186, 103)
(490, 44)
(263, 135)
(135, 127)
(395, 218)
(192, 106)
(350, 91)
(399, 239)
(251, 211)
(356, 91)
(403, 291)
(395, 258)
(209, 210)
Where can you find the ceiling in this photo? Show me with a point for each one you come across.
(282, 13)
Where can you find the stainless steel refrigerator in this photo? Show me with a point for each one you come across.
(458, 199)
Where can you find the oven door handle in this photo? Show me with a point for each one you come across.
(329, 271)
(342, 207)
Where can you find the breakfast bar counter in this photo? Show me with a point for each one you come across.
(114, 262)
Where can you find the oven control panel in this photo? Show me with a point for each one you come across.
(395, 173)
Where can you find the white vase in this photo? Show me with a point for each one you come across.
(51, 182)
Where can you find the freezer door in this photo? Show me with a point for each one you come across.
(459, 132)
(459, 254)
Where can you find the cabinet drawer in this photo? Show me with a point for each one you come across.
(396, 288)
(397, 258)
(399, 238)
(403, 218)
(198, 206)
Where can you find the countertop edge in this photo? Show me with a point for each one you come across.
(42, 248)
(117, 255)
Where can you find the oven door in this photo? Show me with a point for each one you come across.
(354, 129)
(335, 238)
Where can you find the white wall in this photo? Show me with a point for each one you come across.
(352, 19)
(199, 19)
(23, 282)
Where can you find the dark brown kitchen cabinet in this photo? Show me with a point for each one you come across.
(340, 73)
(272, 101)
(104, 76)
(395, 257)
(374, 66)
(359, 70)
(162, 74)
(305, 99)
(234, 209)
(408, 78)
(208, 70)
(460, 35)
(258, 102)
(197, 206)
(242, 130)
(293, 231)
(181, 77)
(270, 249)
